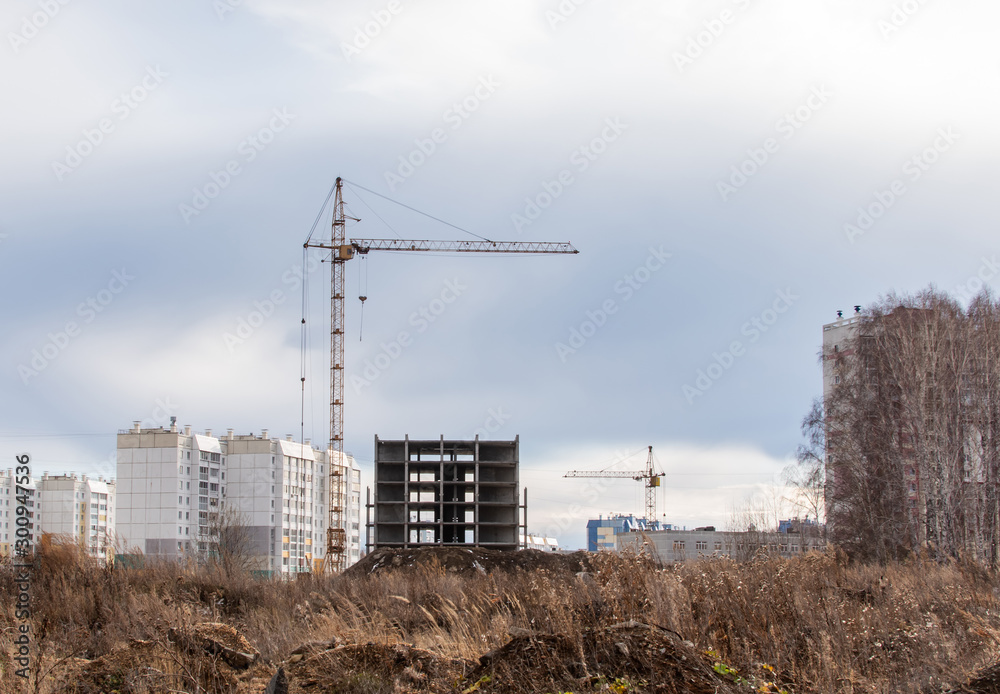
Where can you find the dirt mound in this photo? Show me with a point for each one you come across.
(983, 682)
(623, 658)
(467, 561)
(215, 638)
(144, 666)
(374, 669)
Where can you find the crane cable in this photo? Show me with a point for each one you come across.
(413, 209)
(363, 270)
(320, 214)
(303, 341)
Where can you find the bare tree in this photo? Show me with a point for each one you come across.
(231, 543)
(753, 524)
(911, 432)
(807, 477)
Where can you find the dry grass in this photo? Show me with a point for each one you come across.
(821, 624)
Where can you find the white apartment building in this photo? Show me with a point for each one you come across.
(352, 507)
(173, 486)
(8, 512)
(78, 509)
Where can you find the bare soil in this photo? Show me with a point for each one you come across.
(466, 561)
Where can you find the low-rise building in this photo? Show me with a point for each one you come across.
(687, 545)
(601, 531)
(539, 542)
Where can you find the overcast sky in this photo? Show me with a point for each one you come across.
(732, 172)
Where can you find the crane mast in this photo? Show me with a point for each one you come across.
(341, 251)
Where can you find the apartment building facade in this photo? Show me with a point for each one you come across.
(838, 349)
(8, 512)
(179, 493)
(80, 510)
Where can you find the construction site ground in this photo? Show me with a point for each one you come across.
(414, 635)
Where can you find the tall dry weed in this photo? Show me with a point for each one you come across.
(822, 624)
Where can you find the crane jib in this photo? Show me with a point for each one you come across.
(365, 245)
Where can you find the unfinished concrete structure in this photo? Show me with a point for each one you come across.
(446, 492)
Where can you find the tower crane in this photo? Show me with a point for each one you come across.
(650, 474)
(341, 250)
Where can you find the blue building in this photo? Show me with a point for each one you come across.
(601, 531)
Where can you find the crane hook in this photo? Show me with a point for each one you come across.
(361, 325)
